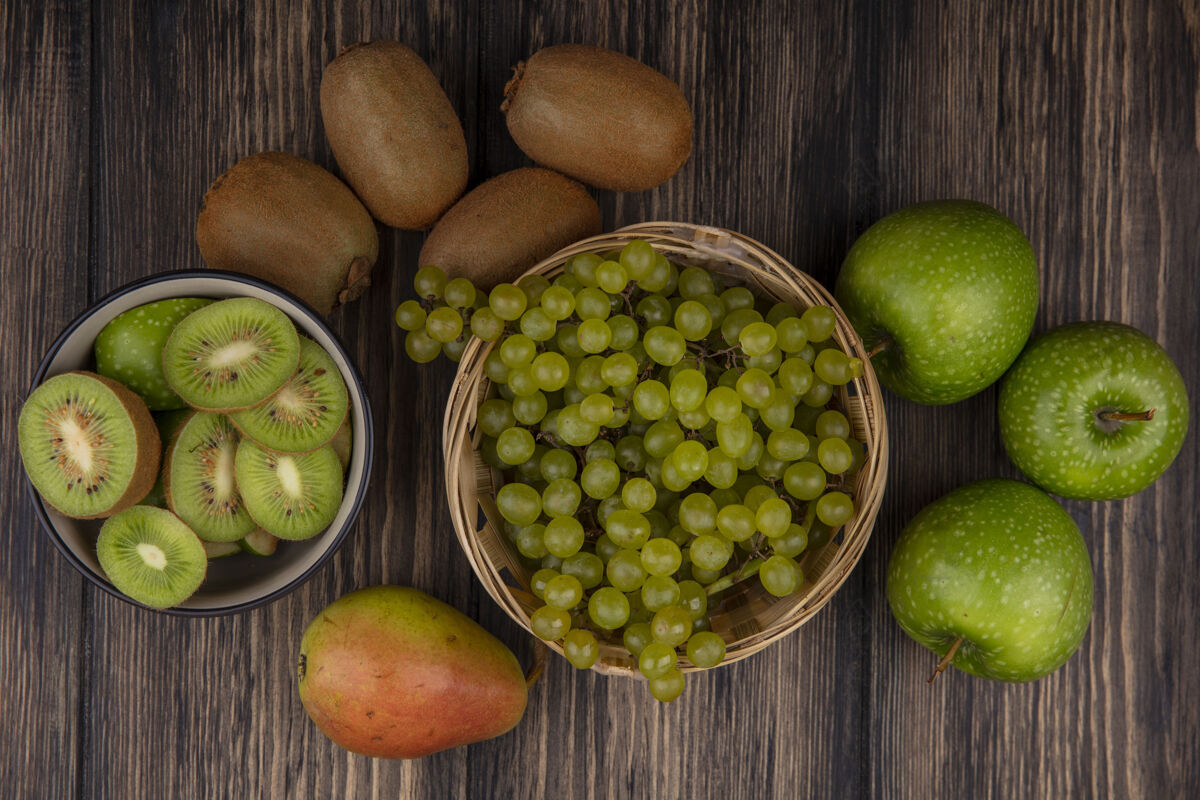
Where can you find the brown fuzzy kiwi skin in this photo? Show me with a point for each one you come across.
(509, 223)
(394, 133)
(286, 220)
(599, 116)
(149, 448)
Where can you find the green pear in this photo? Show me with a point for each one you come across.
(391, 672)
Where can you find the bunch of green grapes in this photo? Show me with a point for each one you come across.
(662, 437)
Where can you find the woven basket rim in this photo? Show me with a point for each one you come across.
(687, 242)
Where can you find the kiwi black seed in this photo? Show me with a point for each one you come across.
(291, 495)
(304, 414)
(151, 556)
(89, 444)
(200, 482)
(231, 355)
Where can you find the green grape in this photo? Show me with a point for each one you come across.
(661, 557)
(487, 451)
(592, 303)
(735, 438)
(637, 610)
(819, 395)
(410, 316)
(688, 390)
(693, 599)
(779, 413)
(668, 687)
(727, 496)
(832, 424)
(627, 528)
(787, 445)
(606, 548)
(656, 660)
(694, 282)
(429, 282)
(756, 388)
(586, 566)
(529, 410)
(770, 468)
(659, 591)
(625, 571)
(574, 429)
(606, 507)
(521, 382)
(561, 498)
(638, 258)
(583, 268)
(558, 303)
(537, 584)
(671, 626)
(664, 345)
(550, 623)
(636, 637)
(768, 362)
(753, 454)
(695, 419)
(625, 332)
(563, 592)
(780, 575)
(705, 576)
(737, 297)
(791, 335)
(807, 354)
(421, 347)
(611, 277)
(531, 541)
(835, 508)
(756, 495)
(597, 408)
(537, 325)
(654, 309)
(600, 478)
(773, 517)
(795, 377)
(608, 607)
(819, 535)
(630, 454)
(668, 273)
(792, 543)
(722, 470)
(567, 340)
(567, 281)
(698, 513)
(705, 649)
(672, 479)
(459, 293)
(517, 350)
(781, 311)
(454, 350)
(619, 369)
(693, 320)
(736, 522)
(495, 416)
(594, 335)
(819, 322)
(690, 459)
(638, 494)
(581, 648)
(659, 525)
(589, 375)
(507, 301)
(519, 503)
(834, 455)
(563, 535)
(679, 536)
(599, 449)
(835, 367)
(515, 445)
(662, 437)
(735, 320)
(723, 403)
(527, 471)
(757, 338)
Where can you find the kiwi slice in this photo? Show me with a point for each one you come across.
(150, 555)
(259, 542)
(89, 444)
(220, 549)
(292, 495)
(168, 422)
(200, 480)
(342, 442)
(231, 355)
(304, 414)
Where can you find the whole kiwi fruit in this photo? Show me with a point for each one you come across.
(284, 219)
(394, 133)
(599, 116)
(509, 223)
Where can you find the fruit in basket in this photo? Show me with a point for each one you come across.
(286, 220)
(89, 444)
(394, 133)
(995, 579)
(291, 495)
(508, 223)
(599, 116)
(231, 355)
(391, 672)
(1093, 411)
(129, 349)
(151, 556)
(944, 294)
(200, 481)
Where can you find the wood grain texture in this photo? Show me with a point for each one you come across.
(1081, 121)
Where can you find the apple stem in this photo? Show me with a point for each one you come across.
(879, 347)
(946, 659)
(1127, 416)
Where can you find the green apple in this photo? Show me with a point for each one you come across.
(995, 576)
(944, 294)
(1093, 411)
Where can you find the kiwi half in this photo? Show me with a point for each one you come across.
(260, 543)
(292, 495)
(200, 479)
(89, 444)
(231, 355)
(150, 555)
(304, 414)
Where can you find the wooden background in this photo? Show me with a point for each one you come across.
(1080, 120)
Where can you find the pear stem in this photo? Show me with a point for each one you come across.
(539, 664)
(1128, 416)
(880, 346)
(946, 659)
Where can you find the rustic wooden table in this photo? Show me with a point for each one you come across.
(1080, 120)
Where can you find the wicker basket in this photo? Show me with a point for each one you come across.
(746, 616)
